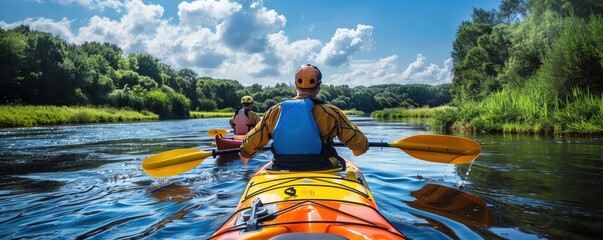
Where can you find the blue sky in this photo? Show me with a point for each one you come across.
(353, 42)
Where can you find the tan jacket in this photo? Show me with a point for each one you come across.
(331, 121)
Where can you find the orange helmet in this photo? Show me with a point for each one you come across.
(307, 76)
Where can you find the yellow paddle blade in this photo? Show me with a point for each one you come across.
(440, 148)
(173, 162)
(217, 132)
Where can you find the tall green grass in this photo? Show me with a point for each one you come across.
(395, 113)
(526, 111)
(353, 112)
(229, 112)
(211, 114)
(29, 116)
(220, 114)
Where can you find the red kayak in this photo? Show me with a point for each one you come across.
(223, 143)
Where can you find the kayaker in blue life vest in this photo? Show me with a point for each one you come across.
(303, 129)
(244, 118)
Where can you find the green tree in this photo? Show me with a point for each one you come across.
(362, 99)
(46, 77)
(149, 66)
(110, 52)
(510, 11)
(12, 58)
(576, 58)
(207, 105)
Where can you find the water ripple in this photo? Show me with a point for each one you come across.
(86, 181)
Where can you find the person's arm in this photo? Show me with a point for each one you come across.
(231, 122)
(260, 135)
(350, 135)
(254, 118)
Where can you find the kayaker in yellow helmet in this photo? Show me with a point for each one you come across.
(303, 129)
(244, 118)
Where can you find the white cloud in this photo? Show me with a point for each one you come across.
(291, 52)
(365, 72)
(206, 13)
(344, 44)
(433, 74)
(243, 41)
(385, 71)
(133, 32)
(247, 30)
(92, 4)
(61, 28)
(141, 18)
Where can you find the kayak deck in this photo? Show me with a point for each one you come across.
(223, 143)
(327, 204)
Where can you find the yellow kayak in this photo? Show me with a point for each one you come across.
(330, 204)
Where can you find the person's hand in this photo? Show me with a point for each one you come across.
(243, 159)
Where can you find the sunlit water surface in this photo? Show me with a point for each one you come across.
(86, 182)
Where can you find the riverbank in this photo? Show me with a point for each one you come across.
(398, 113)
(513, 111)
(526, 111)
(30, 116)
(504, 112)
(220, 114)
(353, 112)
(210, 114)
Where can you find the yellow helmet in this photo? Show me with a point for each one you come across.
(246, 99)
(307, 76)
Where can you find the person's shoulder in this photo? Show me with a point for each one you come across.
(330, 107)
(275, 106)
(278, 105)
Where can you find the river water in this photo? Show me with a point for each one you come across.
(86, 182)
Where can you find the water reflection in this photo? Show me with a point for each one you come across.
(454, 204)
(225, 159)
(171, 193)
(86, 181)
(548, 187)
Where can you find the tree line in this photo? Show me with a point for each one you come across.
(553, 46)
(533, 66)
(37, 68)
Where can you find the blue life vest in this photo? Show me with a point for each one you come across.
(296, 132)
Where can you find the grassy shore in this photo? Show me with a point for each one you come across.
(29, 116)
(210, 114)
(219, 114)
(397, 113)
(353, 112)
(230, 113)
(526, 111)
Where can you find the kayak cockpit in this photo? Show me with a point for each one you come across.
(332, 204)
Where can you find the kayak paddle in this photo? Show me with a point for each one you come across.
(217, 132)
(435, 148)
(428, 147)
